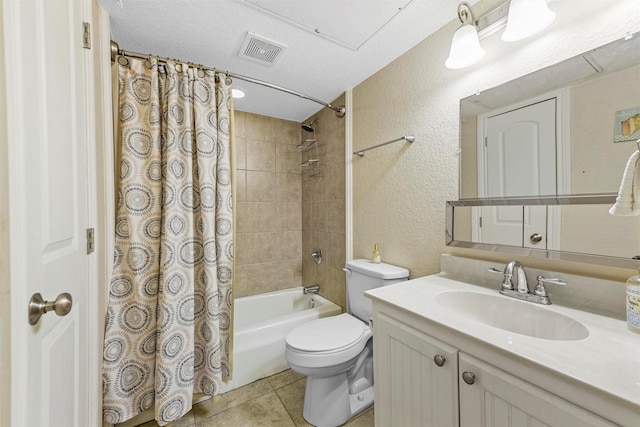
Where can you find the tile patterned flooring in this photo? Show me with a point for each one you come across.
(275, 401)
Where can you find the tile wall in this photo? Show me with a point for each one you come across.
(323, 208)
(269, 204)
(283, 215)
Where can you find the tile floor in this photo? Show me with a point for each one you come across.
(269, 402)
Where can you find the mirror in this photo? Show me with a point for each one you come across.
(542, 156)
(588, 97)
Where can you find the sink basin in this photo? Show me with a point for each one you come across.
(512, 315)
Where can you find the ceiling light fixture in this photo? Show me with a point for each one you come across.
(237, 93)
(526, 18)
(465, 45)
(522, 18)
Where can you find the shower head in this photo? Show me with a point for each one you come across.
(309, 126)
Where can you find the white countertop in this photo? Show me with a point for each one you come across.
(608, 359)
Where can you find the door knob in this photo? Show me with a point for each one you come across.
(38, 306)
(535, 238)
(439, 359)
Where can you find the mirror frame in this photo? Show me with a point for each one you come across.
(583, 199)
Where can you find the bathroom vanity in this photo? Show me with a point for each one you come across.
(441, 360)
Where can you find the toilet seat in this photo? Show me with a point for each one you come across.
(328, 334)
(327, 341)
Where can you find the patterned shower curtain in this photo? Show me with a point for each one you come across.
(169, 311)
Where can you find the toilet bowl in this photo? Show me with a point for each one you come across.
(336, 353)
(331, 353)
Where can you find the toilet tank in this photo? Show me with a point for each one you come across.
(362, 275)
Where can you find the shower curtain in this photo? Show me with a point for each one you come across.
(169, 307)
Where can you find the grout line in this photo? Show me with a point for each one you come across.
(284, 406)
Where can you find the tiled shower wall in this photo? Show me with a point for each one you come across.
(269, 204)
(282, 216)
(323, 208)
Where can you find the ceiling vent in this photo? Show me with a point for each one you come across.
(259, 49)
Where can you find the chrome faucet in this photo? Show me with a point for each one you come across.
(311, 289)
(514, 278)
(515, 284)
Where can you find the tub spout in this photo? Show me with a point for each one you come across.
(311, 289)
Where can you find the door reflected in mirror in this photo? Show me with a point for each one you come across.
(568, 148)
(553, 139)
(585, 229)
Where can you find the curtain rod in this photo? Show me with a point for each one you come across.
(115, 51)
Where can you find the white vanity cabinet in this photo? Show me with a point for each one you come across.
(411, 388)
(496, 398)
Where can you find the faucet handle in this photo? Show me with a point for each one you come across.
(541, 290)
(507, 282)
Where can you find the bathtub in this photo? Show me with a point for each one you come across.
(261, 323)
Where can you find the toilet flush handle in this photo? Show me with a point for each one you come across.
(346, 270)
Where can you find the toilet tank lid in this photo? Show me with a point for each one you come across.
(381, 270)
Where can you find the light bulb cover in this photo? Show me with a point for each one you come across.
(465, 48)
(526, 18)
(237, 93)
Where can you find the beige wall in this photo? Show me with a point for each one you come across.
(597, 164)
(469, 156)
(269, 204)
(323, 207)
(400, 190)
(596, 161)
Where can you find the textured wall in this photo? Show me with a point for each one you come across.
(323, 207)
(269, 204)
(400, 190)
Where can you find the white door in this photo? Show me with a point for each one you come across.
(46, 84)
(519, 160)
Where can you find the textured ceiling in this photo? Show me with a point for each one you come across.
(331, 45)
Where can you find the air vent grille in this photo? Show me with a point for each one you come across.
(260, 49)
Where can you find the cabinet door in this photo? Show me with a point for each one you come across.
(498, 399)
(410, 388)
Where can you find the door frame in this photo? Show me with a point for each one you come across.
(5, 274)
(101, 97)
(563, 159)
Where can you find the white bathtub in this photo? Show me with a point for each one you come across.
(261, 323)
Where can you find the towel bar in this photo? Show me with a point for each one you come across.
(409, 138)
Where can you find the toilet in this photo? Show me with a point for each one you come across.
(336, 353)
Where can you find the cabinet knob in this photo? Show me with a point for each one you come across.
(439, 359)
(469, 377)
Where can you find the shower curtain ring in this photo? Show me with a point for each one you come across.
(122, 60)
